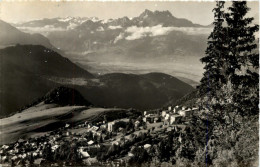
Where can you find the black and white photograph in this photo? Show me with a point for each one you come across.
(129, 83)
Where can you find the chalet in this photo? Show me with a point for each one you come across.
(147, 146)
(5, 147)
(186, 113)
(195, 109)
(89, 125)
(151, 118)
(94, 149)
(164, 113)
(90, 142)
(168, 129)
(183, 108)
(4, 158)
(110, 126)
(20, 140)
(53, 148)
(84, 152)
(175, 118)
(98, 133)
(39, 161)
(180, 139)
(145, 119)
(68, 133)
(137, 123)
(130, 154)
(24, 156)
(11, 151)
(156, 119)
(14, 158)
(95, 128)
(103, 126)
(176, 109)
(166, 122)
(167, 117)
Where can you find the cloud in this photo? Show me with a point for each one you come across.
(114, 27)
(100, 28)
(119, 37)
(134, 32)
(193, 30)
(47, 28)
(140, 32)
(71, 26)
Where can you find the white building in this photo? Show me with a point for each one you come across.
(164, 113)
(146, 146)
(185, 113)
(137, 123)
(95, 128)
(110, 126)
(90, 142)
(175, 119)
(176, 109)
(167, 116)
(83, 152)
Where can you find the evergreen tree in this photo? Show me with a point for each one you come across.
(215, 54)
(242, 59)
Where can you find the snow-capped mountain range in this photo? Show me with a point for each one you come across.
(147, 18)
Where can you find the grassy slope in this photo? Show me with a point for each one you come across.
(38, 119)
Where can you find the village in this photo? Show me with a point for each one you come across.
(104, 143)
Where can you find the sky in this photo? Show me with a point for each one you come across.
(197, 12)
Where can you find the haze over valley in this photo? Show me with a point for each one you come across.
(152, 41)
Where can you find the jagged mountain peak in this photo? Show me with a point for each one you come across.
(149, 13)
(146, 12)
(165, 13)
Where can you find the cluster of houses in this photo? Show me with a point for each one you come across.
(23, 150)
(111, 126)
(31, 149)
(177, 114)
(174, 115)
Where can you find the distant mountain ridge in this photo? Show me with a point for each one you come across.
(40, 61)
(146, 18)
(10, 35)
(147, 91)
